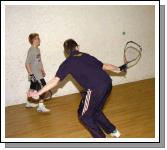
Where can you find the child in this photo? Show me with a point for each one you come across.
(91, 74)
(35, 71)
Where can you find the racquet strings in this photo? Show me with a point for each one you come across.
(132, 55)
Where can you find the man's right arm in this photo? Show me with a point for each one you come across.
(61, 73)
(52, 83)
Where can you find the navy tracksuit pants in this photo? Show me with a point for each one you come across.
(90, 111)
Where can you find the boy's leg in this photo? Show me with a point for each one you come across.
(86, 111)
(41, 106)
(30, 103)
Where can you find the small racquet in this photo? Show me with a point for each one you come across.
(132, 55)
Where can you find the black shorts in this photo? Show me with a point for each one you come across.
(37, 85)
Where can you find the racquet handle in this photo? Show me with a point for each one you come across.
(123, 67)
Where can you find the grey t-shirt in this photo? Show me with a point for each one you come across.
(34, 58)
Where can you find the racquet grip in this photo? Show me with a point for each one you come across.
(123, 67)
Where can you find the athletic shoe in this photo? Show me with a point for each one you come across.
(115, 133)
(30, 105)
(42, 108)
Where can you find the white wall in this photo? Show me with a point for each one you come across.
(98, 30)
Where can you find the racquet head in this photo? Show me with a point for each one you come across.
(132, 53)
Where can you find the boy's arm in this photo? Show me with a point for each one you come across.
(110, 67)
(42, 70)
(31, 75)
(28, 68)
(28, 61)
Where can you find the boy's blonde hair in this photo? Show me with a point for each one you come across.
(32, 36)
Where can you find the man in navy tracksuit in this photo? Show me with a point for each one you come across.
(91, 74)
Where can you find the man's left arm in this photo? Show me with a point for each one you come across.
(106, 67)
(110, 67)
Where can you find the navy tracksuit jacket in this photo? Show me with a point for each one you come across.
(88, 72)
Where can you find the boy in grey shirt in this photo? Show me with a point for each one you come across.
(35, 71)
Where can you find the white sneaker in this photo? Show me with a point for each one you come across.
(115, 133)
(30, 105)
(42, 108)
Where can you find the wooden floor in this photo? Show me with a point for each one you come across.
(130, 107)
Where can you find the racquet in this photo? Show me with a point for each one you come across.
(132, 55)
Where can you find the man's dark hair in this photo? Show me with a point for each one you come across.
(69, 46)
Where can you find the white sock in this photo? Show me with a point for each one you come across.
(40, 104)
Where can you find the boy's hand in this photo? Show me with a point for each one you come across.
(32, 78)
(43, 73)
